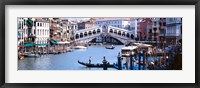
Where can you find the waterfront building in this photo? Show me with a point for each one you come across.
(41, 31)
(22, 30)
(33, 31)
(25, 30)
(135, 26)
(123, 23)
(86, 24)
(55, 28)
(173, 30)
(162, 28)
(155, 29)
(145, 32)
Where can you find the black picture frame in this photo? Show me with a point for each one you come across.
(99, 2)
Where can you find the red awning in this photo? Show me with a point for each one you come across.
(21, 46)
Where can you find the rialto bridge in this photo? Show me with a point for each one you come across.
(104, 32)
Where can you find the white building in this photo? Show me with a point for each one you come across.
(115, 22)
(174, 29)
(135, 25)
(22, 30)
(41, 31)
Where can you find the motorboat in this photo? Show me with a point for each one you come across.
(125, 51)
(30, 54)
(80, 47)
(111, 47)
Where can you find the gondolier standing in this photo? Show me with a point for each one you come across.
(90, 60)
(104, 63)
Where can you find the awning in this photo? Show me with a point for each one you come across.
(65, 42)
(54, 41)
(21, 46)
(28, 44)
(19, 34)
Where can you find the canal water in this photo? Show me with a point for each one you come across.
(69, 60)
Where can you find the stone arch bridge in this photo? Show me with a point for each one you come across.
(86, 35)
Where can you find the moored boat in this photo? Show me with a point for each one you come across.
(29, 54)
(80, 47)
(125, 51)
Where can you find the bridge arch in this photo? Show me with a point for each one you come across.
(132, 37)
(123, 34)
(94, 32)
(90, 33)
(85, 33)
(119, 33)
(81, 35)
(111, 30)
(128, 35)
(77, 36)
(98, 30)
(112, 38)
(115, 31)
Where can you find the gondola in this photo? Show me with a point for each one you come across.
(95, 65)
(110, 47)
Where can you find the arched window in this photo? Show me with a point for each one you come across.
(90, 33)
(94, 31)
(111, 31)
(119, 32)
(77, 36)
(127, 35)
(85, 34)
(98, 30)
(115, 31)
(81, 35)
(132, 37)
(123, 34)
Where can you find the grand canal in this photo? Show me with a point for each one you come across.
(68, 61)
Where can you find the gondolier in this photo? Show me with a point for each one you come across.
(104, 63)
(90, 60)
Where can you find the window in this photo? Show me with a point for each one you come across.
(38, 24)
(154, 29)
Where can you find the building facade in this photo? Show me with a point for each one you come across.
(86, 24)
(33, 30)
(173, 30)
(115, 22)
(41, 31)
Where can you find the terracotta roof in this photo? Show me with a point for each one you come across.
(41, 20)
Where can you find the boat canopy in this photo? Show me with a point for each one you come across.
(129, 48)
(142, 45)
(65, 42)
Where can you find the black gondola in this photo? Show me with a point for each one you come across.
(110, 47)
(95, 65)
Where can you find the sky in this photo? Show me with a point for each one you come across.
(75, 18)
